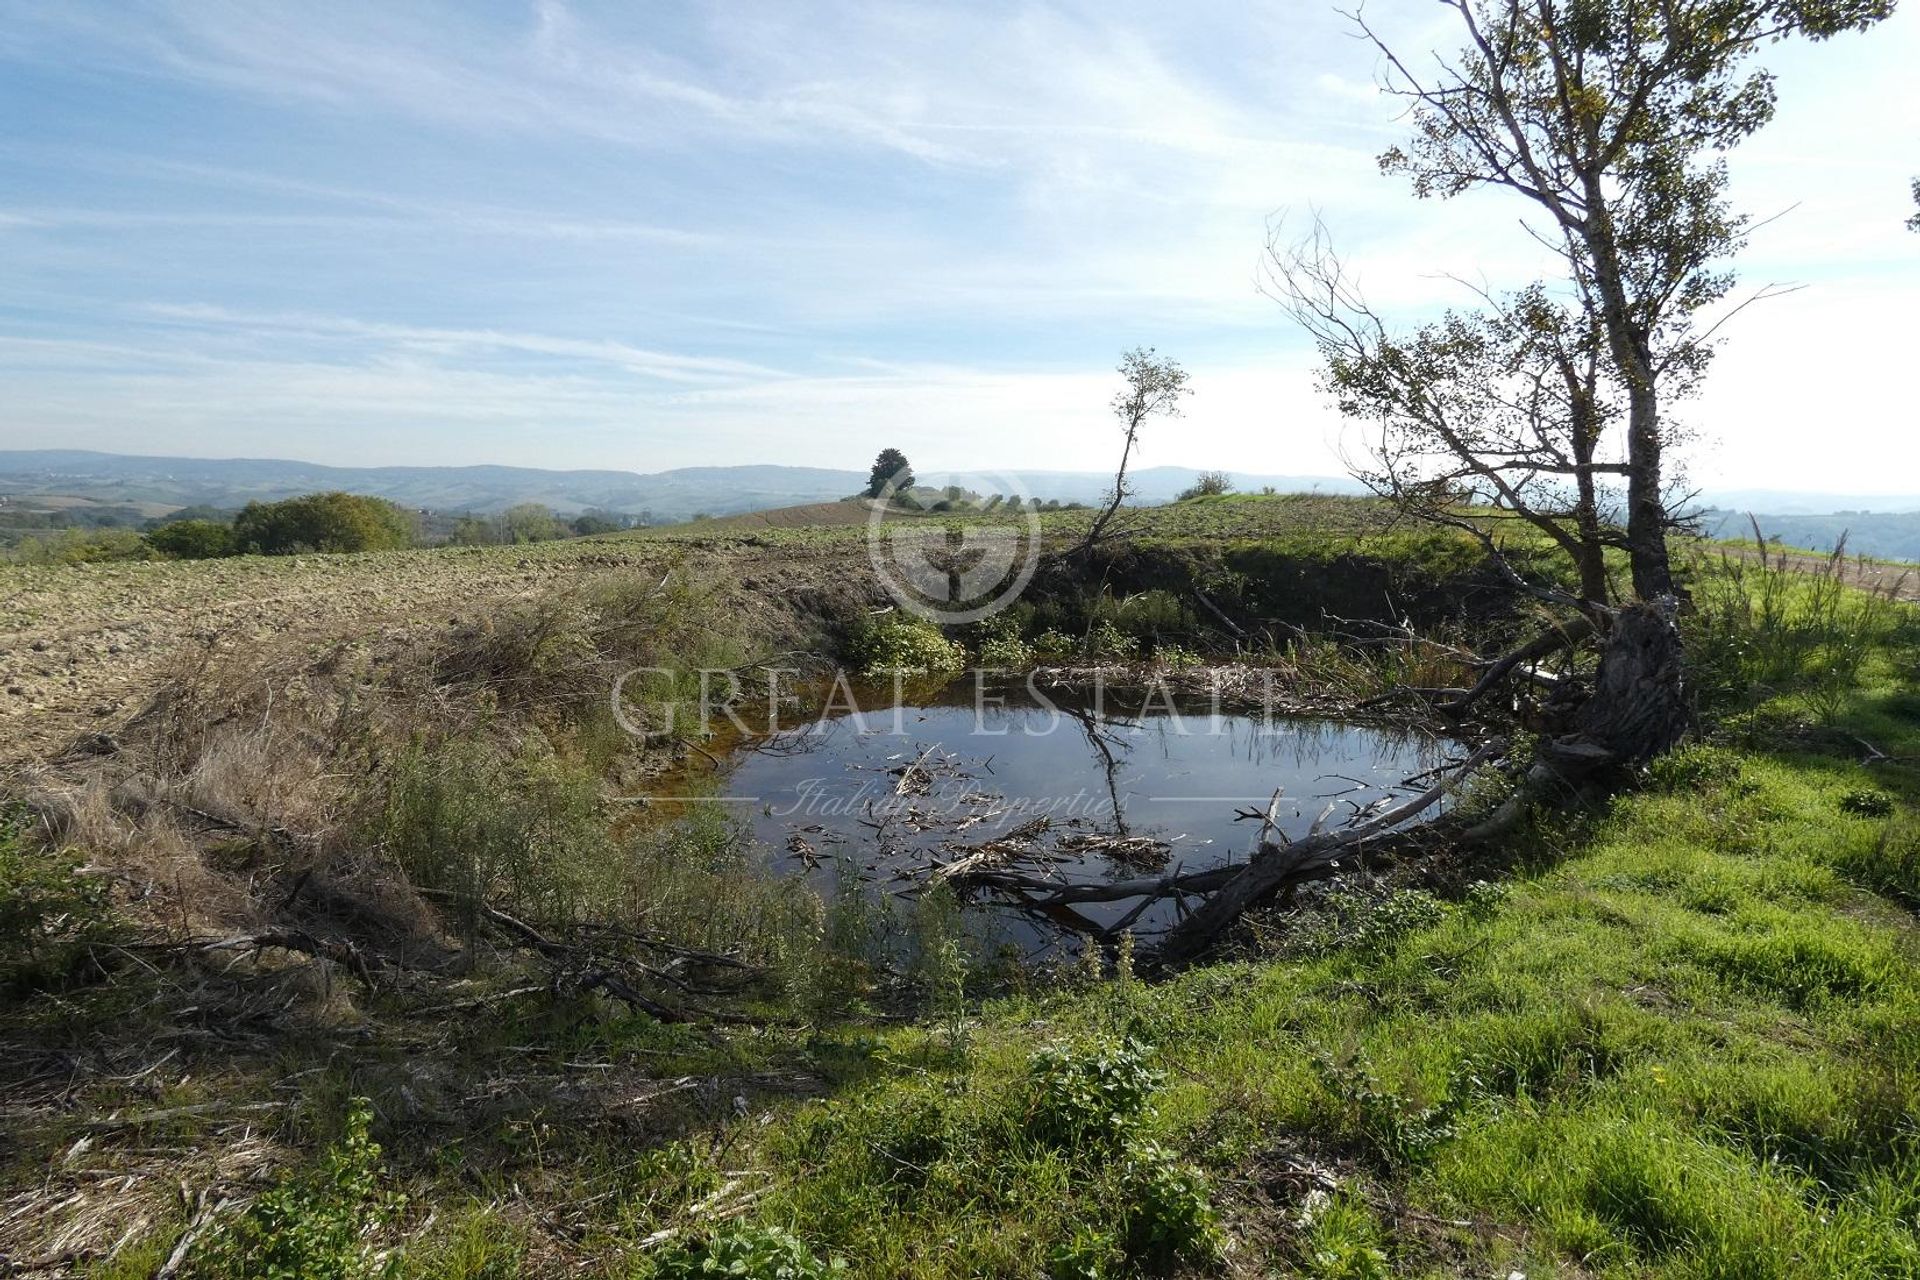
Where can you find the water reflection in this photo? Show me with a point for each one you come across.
(909, 794)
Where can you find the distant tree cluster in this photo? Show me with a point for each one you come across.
(534, 522)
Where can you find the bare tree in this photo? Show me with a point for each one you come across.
(1155, 386)
(1507, 413)
(1613, 117)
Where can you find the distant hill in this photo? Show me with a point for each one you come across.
(73, 478)
(666, 495)
(1884, 535)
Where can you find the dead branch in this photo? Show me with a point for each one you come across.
(342, 953)
(1277, 866)
(1562, 636)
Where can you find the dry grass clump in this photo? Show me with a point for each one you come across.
(319, 782)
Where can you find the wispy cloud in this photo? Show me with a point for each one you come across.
(595, 232)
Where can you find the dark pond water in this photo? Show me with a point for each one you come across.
(1054, 788)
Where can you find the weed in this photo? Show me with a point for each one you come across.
(1370, 920)
(1867, 802)
(526, 831)
(1176, 657)
(745, 1253)
(1107, 641)
(49, 907)
(1167, 1216)
(1088, 1253)
(1889, 863)
(905, 645)
(1053, 644)
(1396, 1130)
(316, 1225)
(1344, 1241)
(1089, 1097)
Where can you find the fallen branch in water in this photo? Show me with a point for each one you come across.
(1277, 866)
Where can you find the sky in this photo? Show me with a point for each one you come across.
(571, 233)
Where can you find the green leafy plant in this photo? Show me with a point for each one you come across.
(1398, 1130)
(1053, 644)
(1176, 657)
(1089, 1096)
(47, 906)
(1867, 802)
(317, 1225)
(1089, 1253)
(1108, 641)
(1167, 1216)
(1010, 652)
(909, 645)
(746, 1253)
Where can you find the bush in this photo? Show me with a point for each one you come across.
(1108, 641)
(315, 1226)
(527, 831)
(83, 546)
(904, 645)
(192, 540)
(1052, 644)
(322, 522)
(1175, 657)
(1209, 484)
(1866, 802)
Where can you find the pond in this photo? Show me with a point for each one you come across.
(1068, 787)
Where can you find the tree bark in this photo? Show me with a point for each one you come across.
(1639, 704)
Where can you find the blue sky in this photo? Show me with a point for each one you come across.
(631, 235)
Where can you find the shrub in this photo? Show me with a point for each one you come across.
(1398, 1131)
(1167, 1216)
(1371, 922)
(1693, 768)
(527, 831)
(905, 645)
(322, 522)
(1052, 644)
(1345, 1241)
(1866, 802)
(1108, 641)
(83, 546)
(1010, 652)
(1176, 657)
(1209, 484)
(316, 1225)
(192, 540)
